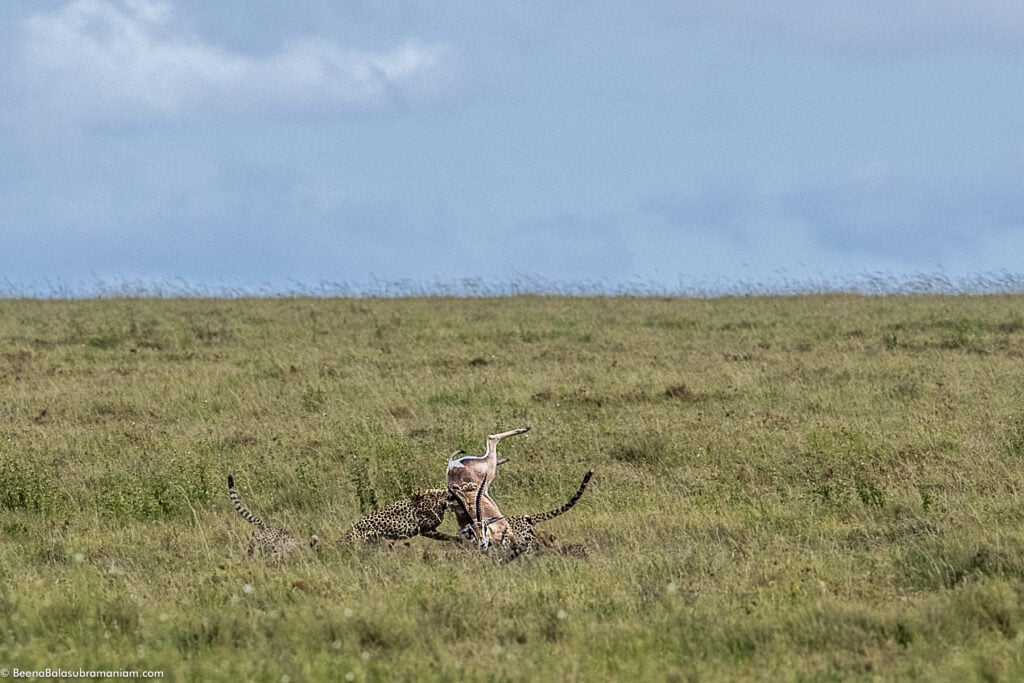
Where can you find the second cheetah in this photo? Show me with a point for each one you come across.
(266, 540)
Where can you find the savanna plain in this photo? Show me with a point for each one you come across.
(819, 487)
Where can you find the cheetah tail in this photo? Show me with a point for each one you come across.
(241, 508)
(572, 501)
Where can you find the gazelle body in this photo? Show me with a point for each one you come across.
(487, 523)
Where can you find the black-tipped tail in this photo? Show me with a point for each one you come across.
(568, 505)
(241, 508)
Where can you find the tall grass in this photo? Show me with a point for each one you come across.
(814, 487)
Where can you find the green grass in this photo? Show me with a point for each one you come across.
(792, 488)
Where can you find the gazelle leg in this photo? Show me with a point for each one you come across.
(502, 435)
(491, 455)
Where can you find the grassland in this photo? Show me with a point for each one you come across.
(792, 488)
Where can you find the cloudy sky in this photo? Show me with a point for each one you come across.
(261, 144)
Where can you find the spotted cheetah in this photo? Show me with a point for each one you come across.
(519, 534)
(524, 535)
(266, 540)
(418, 515)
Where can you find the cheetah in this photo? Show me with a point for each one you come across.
(518, 535)
(418, 515)
(266, 540)
(523, 528)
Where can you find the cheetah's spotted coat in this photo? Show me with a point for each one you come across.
(418, 515)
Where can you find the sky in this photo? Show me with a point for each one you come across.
(264, 146)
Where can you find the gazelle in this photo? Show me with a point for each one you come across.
(471, 473)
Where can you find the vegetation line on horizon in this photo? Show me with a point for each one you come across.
(782, 284)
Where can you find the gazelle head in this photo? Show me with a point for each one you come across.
(479, 530)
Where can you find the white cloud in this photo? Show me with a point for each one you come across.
(100, 58)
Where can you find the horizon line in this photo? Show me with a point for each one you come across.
(866, 283)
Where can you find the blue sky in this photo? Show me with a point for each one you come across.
(262, 144)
